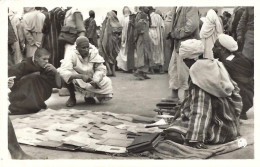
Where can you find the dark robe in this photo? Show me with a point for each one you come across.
(51, 30)
(110, 38)
(91, 30)
(241, 70)
(130, 43)
(245, 29)
(237, 16)
(143, 41)
(11, 39)
(33, 86)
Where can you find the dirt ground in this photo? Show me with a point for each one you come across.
(135, 97)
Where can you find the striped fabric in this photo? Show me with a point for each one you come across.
(211, 119)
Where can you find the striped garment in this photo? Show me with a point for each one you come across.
(210, 119)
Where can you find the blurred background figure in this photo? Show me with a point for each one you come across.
(122, 56)
(143, 60)
(110, 39)
(18, 46)
(226, 16)
(32, 24)
(235, 18)
(156, 33)
(51, 30)
(245, 33)
(91, 28)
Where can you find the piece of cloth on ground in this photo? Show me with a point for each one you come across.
(170, 150)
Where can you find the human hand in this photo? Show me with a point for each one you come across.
(49, 67)
(95, 85)
(11, 82)
(86, 78)
(38, 44)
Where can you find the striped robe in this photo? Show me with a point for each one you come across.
(210, 119)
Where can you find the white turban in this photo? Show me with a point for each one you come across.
(228, 42)
(191, 49)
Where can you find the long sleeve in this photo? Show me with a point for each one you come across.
(17, 70)
(100, 72)
(23, 68)
(192, 23)
(28, 36)
(241, 28)
(66, 69)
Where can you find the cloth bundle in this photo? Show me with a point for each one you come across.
(191, 49)
(209, 32)
(212, 77)
(211, 24)
(170, 150)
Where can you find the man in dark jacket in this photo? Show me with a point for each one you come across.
(91, 28)
(34, 80)
(245, 33)
(185, 26)
(238, 12)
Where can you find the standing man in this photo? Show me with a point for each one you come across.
(32, 24)
(91, 28)
(156, 32)
(143, 44)
(185, 26)
(245, 33)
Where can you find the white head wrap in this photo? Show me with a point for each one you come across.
(228, 42)
(191, 49)
(211, 24)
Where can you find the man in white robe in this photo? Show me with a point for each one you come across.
(83, 70)
(156, 32)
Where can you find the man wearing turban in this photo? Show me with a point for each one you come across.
(239, 67)
(83, 70)
(207, 116)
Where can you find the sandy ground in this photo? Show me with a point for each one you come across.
(135, 97)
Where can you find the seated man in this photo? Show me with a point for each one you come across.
(210, 112)
(83, 70)
(34, 80)
(239, 67)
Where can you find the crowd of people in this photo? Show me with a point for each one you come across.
(209, 60)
